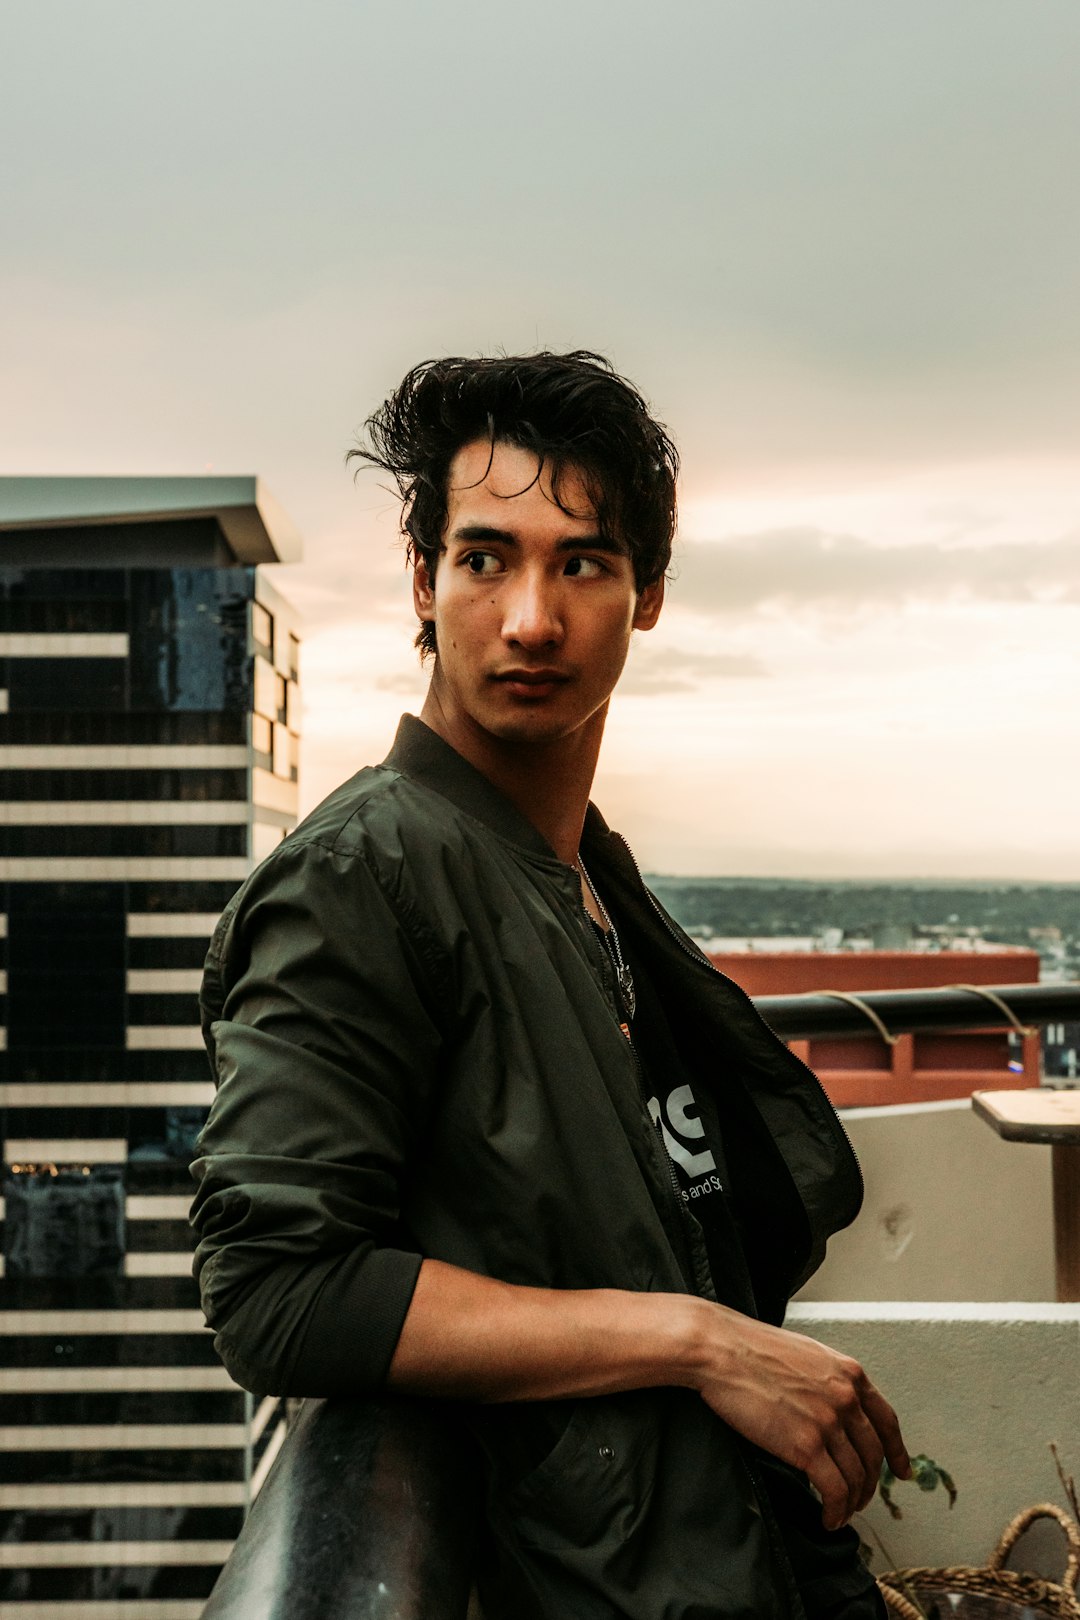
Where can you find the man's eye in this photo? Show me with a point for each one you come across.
(584, 567)
(480, 562)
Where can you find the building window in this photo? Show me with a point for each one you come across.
(66, 1222)
(165, 1135)
(282, 753)
(261, 734)
(267, 700)
(262, 628)
(294, 657)
(292, 706)
(62, 684)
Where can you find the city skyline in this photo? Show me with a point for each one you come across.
(836, 249)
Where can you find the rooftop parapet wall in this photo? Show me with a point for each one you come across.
(951, 1213)
(777, 973)
(981, 1388)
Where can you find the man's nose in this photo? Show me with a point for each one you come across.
(533, 617)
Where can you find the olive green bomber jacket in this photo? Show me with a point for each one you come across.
(417, 1052)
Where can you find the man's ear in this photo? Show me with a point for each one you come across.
(423, 591)
(650, 601)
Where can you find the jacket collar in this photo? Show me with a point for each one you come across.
(421, 754)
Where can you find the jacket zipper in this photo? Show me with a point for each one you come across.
(703, 961)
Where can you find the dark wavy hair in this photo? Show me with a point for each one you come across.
(571, 410)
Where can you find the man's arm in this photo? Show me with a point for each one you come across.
(474, 1338)
(322, 1027)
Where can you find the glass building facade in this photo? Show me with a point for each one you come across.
(148, 759)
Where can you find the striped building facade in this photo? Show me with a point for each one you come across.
(148, 758)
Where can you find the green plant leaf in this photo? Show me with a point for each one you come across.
(885, 1486)
(925, 1473)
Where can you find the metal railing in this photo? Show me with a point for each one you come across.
(916, 1012)
(369, 1512)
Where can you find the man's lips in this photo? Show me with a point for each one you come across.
(534, 683)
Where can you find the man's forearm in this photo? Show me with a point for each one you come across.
(474, 1338)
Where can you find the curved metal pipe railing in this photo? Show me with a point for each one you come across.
(369, 1512)
(916, 1012)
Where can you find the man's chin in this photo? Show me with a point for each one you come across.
(538, 723)
(529, 728)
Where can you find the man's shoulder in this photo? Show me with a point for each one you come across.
(377, 814)
(353, 812)
(367, 851)
(387, 845)
(380, 830)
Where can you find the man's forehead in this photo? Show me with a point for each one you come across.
(497, 468)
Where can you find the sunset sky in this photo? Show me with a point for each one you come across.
(836, 244)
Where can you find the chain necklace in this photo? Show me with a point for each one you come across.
(624, 978)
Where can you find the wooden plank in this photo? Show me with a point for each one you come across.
(1066, 1170)
(1039, 1114)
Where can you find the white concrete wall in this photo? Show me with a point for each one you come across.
(951, 1212)
(981, 1388)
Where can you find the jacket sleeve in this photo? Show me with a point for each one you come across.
(320, 1019)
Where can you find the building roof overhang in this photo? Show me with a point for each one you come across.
(253, 524)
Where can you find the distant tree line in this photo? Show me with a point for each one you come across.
(1004, 914)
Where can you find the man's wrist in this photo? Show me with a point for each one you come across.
(701, 1341)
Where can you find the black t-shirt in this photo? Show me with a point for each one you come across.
(831, 1577)
(698, 1163)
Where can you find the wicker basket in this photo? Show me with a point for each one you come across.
(991, 1592)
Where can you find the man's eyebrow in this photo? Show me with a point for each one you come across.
(484, 531)
(582, 542)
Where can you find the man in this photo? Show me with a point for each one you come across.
(488, 1126)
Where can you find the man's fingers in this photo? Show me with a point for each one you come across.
(830, 1484)
(887, 1424)
(852, 1470)
(867, 1442)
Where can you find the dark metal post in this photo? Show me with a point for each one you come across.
(369, 1513)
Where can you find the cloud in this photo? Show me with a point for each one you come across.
(812, 570)
(674, 669)
(403, 683)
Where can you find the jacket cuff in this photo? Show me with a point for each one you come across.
(353, 1327)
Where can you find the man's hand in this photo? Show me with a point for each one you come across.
(804, 1403)
(471, 1337)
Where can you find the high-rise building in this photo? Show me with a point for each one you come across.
(148, 759)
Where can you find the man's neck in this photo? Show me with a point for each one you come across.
(549, 782)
